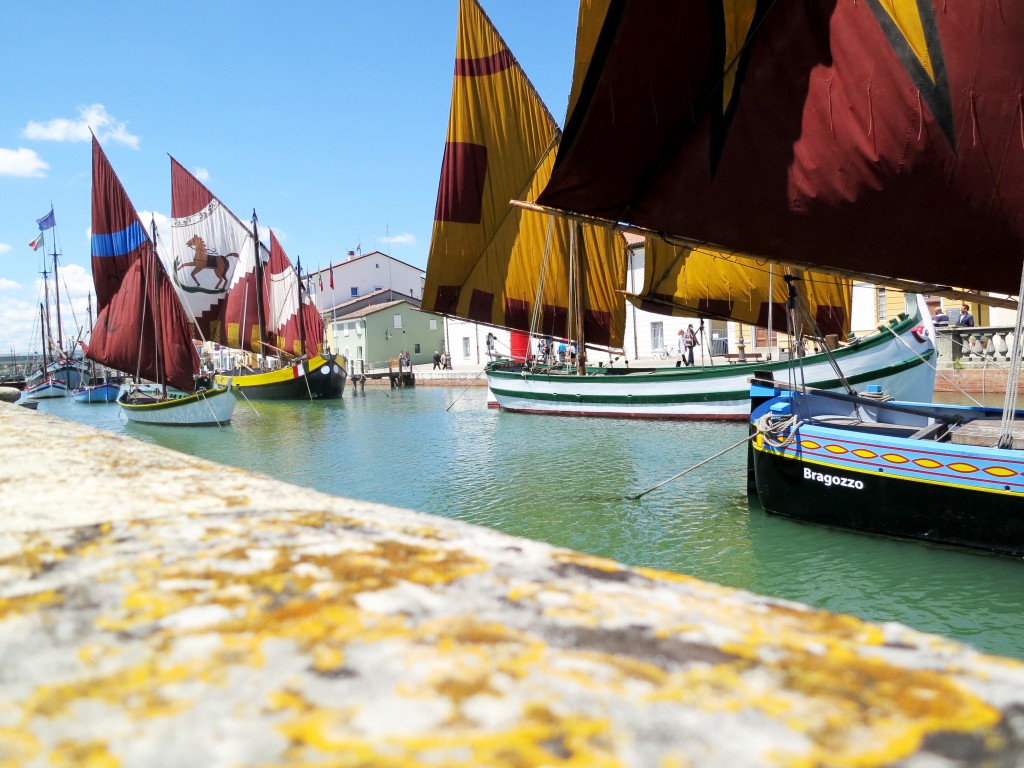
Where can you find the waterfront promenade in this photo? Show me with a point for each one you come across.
(157, 609)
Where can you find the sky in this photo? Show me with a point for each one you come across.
(329, 118)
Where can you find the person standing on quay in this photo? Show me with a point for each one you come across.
(966, 319)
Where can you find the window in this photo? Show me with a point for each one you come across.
(355, 290)
(465, 347)
(657, 335)
(880, 310)
(344, 331)
(416, 349)
(433, 323)
(398, 321)
(359, 328)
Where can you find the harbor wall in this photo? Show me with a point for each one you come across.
(157, 609)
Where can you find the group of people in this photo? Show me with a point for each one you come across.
(687, 341)
(442, 360)
(549, 352)
(965, 320)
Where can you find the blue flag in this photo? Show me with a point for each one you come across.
(47, 222)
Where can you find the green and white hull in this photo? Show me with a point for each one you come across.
(900, 358)
(208, 407)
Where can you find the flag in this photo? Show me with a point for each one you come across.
(320, 279)
(47, 222)
(332, 277)
(34, 245)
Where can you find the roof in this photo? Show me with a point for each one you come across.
(374, 309)
(378, 254)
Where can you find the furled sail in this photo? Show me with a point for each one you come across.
(486, 256)
(214, 264)
(140, 324)
(880, 138)
(696, 281)
(290, 329)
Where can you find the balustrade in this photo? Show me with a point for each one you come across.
(974, 347)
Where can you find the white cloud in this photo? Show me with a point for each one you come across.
(202, 174)
(8, 285)
(401, 239)
(22, 162)
(94, 116)
(5, 248)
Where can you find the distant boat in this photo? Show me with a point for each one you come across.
(105, 392)
(140, 323)
(881, 140)
(45, 388)
(527, 270)
(248, 300)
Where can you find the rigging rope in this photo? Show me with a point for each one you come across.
(1013, 379)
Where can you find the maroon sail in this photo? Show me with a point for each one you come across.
(141, 326)
(879, 138)
(290, 329)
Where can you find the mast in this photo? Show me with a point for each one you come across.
(92, 363)
(302, 315)
(56, 298)
(151, 284)
(45, 319)
(42, 332)
(260, 310)
(577, 291)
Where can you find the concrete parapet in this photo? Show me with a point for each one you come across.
(160, 610)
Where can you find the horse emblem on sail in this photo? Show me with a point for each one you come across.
(203, 259)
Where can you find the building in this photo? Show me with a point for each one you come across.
(359, 275)
(374, 333)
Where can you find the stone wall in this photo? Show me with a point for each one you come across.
(160, 610)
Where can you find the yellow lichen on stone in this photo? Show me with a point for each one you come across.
(79, 754)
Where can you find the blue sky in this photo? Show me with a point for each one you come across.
(328, 118)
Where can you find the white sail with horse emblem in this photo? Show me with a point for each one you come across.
(214, 265)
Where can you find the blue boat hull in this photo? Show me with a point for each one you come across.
(97, 393)
(903, 477)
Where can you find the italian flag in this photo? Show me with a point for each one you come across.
(34, 245)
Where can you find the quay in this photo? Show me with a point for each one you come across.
(157, 609)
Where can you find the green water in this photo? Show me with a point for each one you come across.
(565, 481)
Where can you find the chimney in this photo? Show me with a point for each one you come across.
(351, 255)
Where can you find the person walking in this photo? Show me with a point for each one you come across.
(690, 341)
(437, 360)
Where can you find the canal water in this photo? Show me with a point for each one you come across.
(566, 481)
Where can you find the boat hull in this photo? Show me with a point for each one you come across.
(900, 360)
(44, 389)
(878, 479)
(72, 373)
(321, 376)
(210, 407)
(97, 393)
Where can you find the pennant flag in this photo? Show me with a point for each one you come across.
(332, 277)
(47, 222)
(34, 245)
(320, 279)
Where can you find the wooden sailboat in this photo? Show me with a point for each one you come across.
(872, 139)
(140, 324)
(248, 300)
(60, 371)
(486, 256)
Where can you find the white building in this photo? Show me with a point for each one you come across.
(359, 275)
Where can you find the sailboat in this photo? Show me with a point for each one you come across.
(246, 299)
(95, 391)
(872, 139)
(140, 324)
(62, 372)
(486, 256)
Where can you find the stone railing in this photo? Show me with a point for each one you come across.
(973, 347)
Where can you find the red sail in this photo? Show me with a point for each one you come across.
(214, 264)
(288, 331)
(881, 138)
(141, 326)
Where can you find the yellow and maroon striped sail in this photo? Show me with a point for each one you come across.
(696, 281)
(486, 255)
(879, 138)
